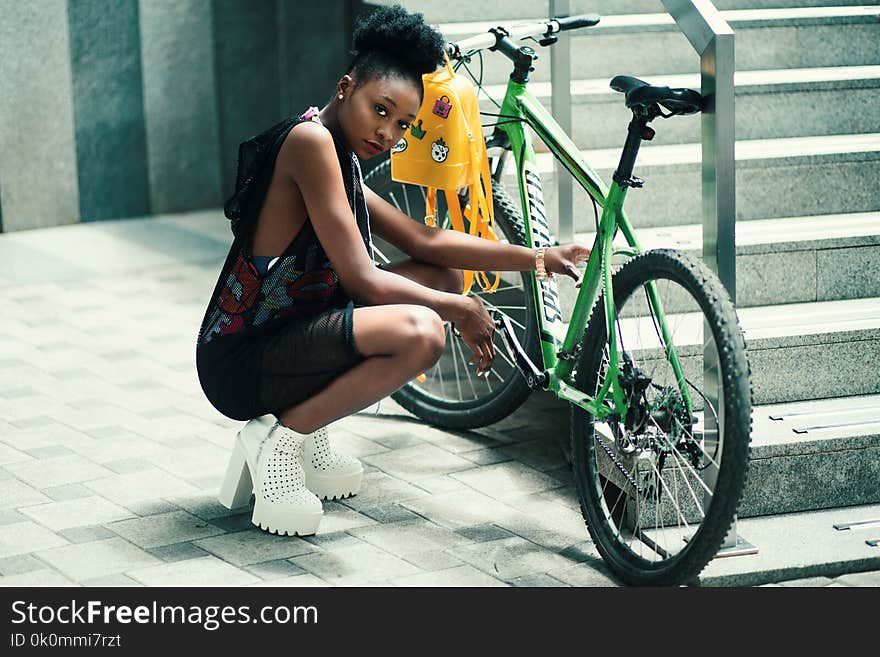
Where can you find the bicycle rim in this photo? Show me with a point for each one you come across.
(449, 393)
(659, 487)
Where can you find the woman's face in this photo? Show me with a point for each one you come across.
(375, 115)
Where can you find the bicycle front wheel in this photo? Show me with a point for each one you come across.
(659, 488)
(450, 394)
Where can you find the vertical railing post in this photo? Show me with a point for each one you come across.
(713, 39)
(560, 106)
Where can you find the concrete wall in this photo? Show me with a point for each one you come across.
(126, 108)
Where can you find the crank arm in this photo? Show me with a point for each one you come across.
(535, 378)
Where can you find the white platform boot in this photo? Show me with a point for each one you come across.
(268, 460)
(329, 474)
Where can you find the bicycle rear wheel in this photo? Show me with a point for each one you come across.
(659, 488)
(451, 395)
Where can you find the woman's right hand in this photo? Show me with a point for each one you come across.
(477, 330)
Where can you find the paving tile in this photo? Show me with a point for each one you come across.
(378, 488)
(506, 480)
(10, 516)
(137, 486)
(432, 560)
(355, 565)
(150, 507)
(57, 471)
(396, 440)
(44, 577)
(860, 579)
(125, 466)
(542, 454)
(332, 541)
(535, 581)
(163, 529)
(254, 546)
(278, 569)
(15, 494)
(307, 580)
(50, 452)
(25, 537)
(203, 571)
(483, 533)
(389, 513)
(177, 552)
(85, 534)
(68, 492)
(203, 505)
(486, 456)
(93, 510)
(463, 575)
(590, 573)
(410, 536)
(418, 462)
(510, 557)
(96, 559)
(111, 581)
(442, 484)
(464, 508)
(548, 524)
(22, 563)
(236, 522)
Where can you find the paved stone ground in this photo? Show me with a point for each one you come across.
(110, 456)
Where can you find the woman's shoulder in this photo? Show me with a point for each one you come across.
(307, 144)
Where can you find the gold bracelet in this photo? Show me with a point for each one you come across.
(540, 271)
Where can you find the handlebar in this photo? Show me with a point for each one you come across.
(543, 29)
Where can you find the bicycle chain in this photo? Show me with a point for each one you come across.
(613, 456)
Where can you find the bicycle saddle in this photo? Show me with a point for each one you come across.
(639, 92)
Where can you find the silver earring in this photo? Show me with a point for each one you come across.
(340, 96)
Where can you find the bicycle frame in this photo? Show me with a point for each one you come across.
(521, 107)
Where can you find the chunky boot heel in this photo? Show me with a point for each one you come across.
(235, 492)
(267, 458)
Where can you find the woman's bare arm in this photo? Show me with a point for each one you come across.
(451, 248)
(309, 159)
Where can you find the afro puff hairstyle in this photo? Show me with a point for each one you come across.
(392, 41)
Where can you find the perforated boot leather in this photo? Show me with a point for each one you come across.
(268, 461)
(329, 474)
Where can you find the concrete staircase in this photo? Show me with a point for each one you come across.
(808, 210)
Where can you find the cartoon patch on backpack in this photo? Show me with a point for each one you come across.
(400, 146)
(442, 106)
(439, 150)
(417, 131)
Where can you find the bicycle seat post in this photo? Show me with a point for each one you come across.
(637, 131)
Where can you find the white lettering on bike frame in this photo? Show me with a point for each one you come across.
(549, 297)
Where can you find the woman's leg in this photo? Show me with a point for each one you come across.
(400, 342)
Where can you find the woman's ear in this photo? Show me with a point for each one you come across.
(345, 86)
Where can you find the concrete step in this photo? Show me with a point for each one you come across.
(812, 455)
(800, 545)
(465, 10)
(769, 104)
(797, 37)
(774, 178)
(797, 352)
(789, 260)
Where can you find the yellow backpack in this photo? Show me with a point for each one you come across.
(444, 149)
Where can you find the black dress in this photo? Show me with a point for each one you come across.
(269, 341)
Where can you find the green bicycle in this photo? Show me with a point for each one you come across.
(653, 365)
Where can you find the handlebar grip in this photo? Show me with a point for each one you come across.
(575, 22)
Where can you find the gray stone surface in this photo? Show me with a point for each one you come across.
(202, 571)
(163, 529)
(108, 109)
(848, 273)
(96, 559)
(38, 170)
(179, 105)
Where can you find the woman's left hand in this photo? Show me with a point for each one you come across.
(563, 259)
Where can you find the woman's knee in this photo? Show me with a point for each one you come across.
(425, 332)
